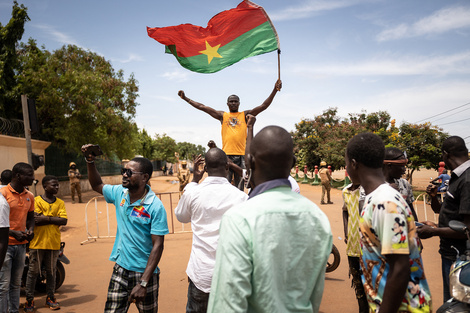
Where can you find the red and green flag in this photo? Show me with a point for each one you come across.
(229, 37)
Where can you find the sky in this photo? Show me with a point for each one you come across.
(409, 58)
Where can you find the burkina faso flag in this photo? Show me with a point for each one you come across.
(229, 37)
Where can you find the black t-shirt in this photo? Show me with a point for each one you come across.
(455, 206)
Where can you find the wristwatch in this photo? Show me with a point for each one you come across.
(144, 283)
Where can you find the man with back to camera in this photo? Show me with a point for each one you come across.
(203, 205)
(141, 226)
(21, 202)
(393, 273)
(273, 248)
(456, 206)
(234, 126)
(5, 178)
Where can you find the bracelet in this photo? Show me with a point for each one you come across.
(89, 162)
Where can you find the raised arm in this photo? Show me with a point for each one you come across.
(250, 121)
(267, 102)
(94, 176)
(218, 115)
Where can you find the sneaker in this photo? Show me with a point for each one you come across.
(29, 306)
(323, 202)
(329, 202)
(52, 304)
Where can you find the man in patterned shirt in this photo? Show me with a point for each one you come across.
(353, 198)
(394, 167)
(393, 274)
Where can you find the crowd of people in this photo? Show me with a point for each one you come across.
(264, 250)
(28, 222)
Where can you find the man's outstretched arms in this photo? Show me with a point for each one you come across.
(267, 102)
(218, 115)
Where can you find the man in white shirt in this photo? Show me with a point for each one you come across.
(203, 205)
(4, 227)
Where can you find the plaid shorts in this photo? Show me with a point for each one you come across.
(120, 287)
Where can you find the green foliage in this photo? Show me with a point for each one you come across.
(324, 138)
(165, 148)
(422, 143)
(10, 35)
(188, 151)
(80, 98)
(147, 147)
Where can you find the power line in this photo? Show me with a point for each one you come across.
(426, 119)
(455, 122)
(450, 115)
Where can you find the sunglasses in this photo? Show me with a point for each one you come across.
(128, 172)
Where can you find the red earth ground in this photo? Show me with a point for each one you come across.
(87, 276)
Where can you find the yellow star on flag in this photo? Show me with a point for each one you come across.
(211, 52)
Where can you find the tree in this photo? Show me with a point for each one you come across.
(422, 143)
(80, 98)
(10, 35)
(147, 146)
(324, 138)
(189, 150)
(165, 148)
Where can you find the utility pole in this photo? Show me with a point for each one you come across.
(27, 134)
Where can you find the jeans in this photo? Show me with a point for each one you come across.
(10, 278)
(197, 299)
(240, 161)
(38, 258)
(446, 264)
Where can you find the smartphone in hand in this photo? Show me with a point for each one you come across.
(94, 150)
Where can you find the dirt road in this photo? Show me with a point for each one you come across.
(87, 276)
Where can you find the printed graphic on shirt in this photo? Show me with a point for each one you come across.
(122, 202)
(233, 122)
(387, 227)
(139, 211)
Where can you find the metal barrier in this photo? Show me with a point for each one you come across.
(422, 198)
(89, 236)
(169, 200)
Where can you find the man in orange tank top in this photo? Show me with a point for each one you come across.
(234, 127)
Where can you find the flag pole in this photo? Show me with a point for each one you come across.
(279, 64)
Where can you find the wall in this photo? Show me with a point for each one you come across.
(13, 150)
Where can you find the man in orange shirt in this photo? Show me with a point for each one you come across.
(234, 128)
(21, 203)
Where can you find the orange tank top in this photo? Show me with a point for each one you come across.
(234, 133)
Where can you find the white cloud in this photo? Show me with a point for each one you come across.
(132, 57)
(392, 66)
(177, 75)
(441, 21)
(419, 103)
(311, 7)
(57, 35)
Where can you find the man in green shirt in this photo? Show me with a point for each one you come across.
(273, 249)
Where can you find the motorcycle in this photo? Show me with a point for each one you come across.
(333, 260)
(459, 278)
(41, 279)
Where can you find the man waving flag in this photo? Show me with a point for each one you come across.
(229, 37)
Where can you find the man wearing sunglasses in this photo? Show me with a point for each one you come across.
(141, 226)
